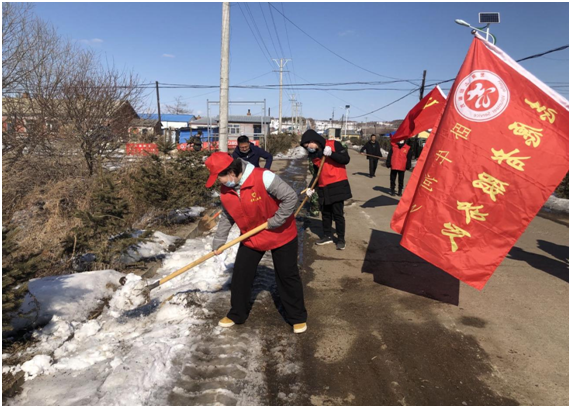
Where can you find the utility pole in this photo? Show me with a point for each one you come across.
(293, 111)
(159, 104)
(422, 86)
(346, 117)
(281, 65)
(224, 69)
(415, 150)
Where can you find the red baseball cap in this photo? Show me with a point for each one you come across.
(216, 163)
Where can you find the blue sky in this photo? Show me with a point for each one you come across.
(180, 43)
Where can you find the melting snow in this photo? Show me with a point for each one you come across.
(126, 355)
(294, 153)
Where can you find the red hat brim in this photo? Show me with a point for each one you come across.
(211, 180)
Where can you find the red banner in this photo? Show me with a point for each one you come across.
(422, 116)
(500, 150)
(138, 149)
(232, 144)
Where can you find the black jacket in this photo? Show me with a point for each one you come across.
(408, 157)
(253, 156)
(374, 149)
(335, 192)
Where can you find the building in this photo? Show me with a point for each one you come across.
(144, 129)
(25, 114)
(255, 127)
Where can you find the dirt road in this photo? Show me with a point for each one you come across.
(385, 327)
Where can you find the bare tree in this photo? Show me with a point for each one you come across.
(179, 107)
(98, 103)
(34, 62)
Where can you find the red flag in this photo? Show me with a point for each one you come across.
(500, 150)
(422, 116)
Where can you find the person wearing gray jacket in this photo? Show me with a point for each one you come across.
(251, 196)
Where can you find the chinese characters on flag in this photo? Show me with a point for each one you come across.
(499, 151)
(422, 117)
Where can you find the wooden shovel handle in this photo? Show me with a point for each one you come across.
(211, 254)
(371, 155)
(312, 185)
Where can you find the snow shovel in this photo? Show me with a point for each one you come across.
(206, 223)
(209, 255)
(204, 258)
(312, 185)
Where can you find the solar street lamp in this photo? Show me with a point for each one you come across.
(488, 18)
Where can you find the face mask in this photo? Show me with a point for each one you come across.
(401, 143)
(230, 184)
(311, 150)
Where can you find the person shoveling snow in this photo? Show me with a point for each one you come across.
(251, 197)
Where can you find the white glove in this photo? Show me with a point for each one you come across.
(327, 151)
(309, 192)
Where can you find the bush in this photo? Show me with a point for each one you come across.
(104, 218)
(281, 142)
(167, 183)
(16, 272)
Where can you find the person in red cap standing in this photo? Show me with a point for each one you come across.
(250, 197)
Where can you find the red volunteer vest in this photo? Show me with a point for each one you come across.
(398, 158)
(332, 171)
(252, 208)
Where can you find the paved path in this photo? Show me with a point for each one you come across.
(386, 327)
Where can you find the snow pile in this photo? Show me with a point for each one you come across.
(295, 153)
(36, 366)
(53, 335)
(131, 295)
(557, 205)
(157, 245)
(123, 357)
(69, 297)
(184, 214)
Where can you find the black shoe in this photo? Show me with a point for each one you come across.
(340, 245)
(392, 192)
(324, 241)
(400, 193)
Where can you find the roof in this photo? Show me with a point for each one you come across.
(231, 119)
(144, 122)
(168, 117)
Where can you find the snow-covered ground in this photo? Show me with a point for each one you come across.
(157, 244)
(557, 205)
(134, 357)
(294, 153)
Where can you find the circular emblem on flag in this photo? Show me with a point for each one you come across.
(481, 96)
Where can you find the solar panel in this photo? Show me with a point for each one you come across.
(489, 18)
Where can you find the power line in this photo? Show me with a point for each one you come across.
(389, 104)
(331, 51)
(544, 53)
(519, 60)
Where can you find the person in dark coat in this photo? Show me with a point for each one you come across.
(333, 185)
(251, 153)
(373, 148)
(399, 160)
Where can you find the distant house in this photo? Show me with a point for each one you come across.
(255, 127)
(171, 124)
(24, 113)
(141, 129)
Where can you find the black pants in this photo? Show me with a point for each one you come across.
(394, 176)
(373, 166)
(332, 212)
(288, 281)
